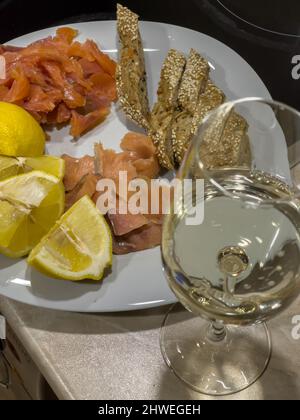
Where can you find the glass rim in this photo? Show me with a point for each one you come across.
(206, 173)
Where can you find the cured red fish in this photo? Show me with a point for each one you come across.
(80, 124)
(122, 224)
(76, 169)
(142, 154)
(60, 80)
(131, 232)
(86, 186)
(147, 237)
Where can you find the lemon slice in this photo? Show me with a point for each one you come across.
(20, 133)
(50, 164)
(78, 247)
(8, 167)
(11, 166)
(30, 204)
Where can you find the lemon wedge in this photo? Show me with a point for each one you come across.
(20, 133)
(8, 167)
(30, 204)
(78, 247)
(11, 166)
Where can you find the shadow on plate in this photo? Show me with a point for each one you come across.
(6, 262)
(51, 289)
(56, 290)
(156, 45)
(130, 125)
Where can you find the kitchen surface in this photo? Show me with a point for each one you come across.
(118, 356)
(48, 354)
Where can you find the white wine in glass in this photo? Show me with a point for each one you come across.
(241, 266)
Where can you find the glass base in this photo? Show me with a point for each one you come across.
(214, 367)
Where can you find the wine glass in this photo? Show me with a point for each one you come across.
(241, 265)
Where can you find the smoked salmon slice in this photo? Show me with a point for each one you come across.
(60, 115)
(131, 232)
(3, 92)
(76, 169)
(122, 224)
(39, 101)
(86, 186)
(60, 80)
(104, 85)
(108, 65)
(143, 153)
(90, 67)
(66, 34)
(138, 143)
(110, 164)
(80, 124)
(20, 88)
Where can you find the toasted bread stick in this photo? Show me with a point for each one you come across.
(131, 78)
(163, 111)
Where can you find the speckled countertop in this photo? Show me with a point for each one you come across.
(118, 356)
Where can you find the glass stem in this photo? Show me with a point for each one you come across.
(229, 285)
(217, 332)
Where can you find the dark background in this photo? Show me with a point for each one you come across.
(269, 53)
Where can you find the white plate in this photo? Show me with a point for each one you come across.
(137, 280)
